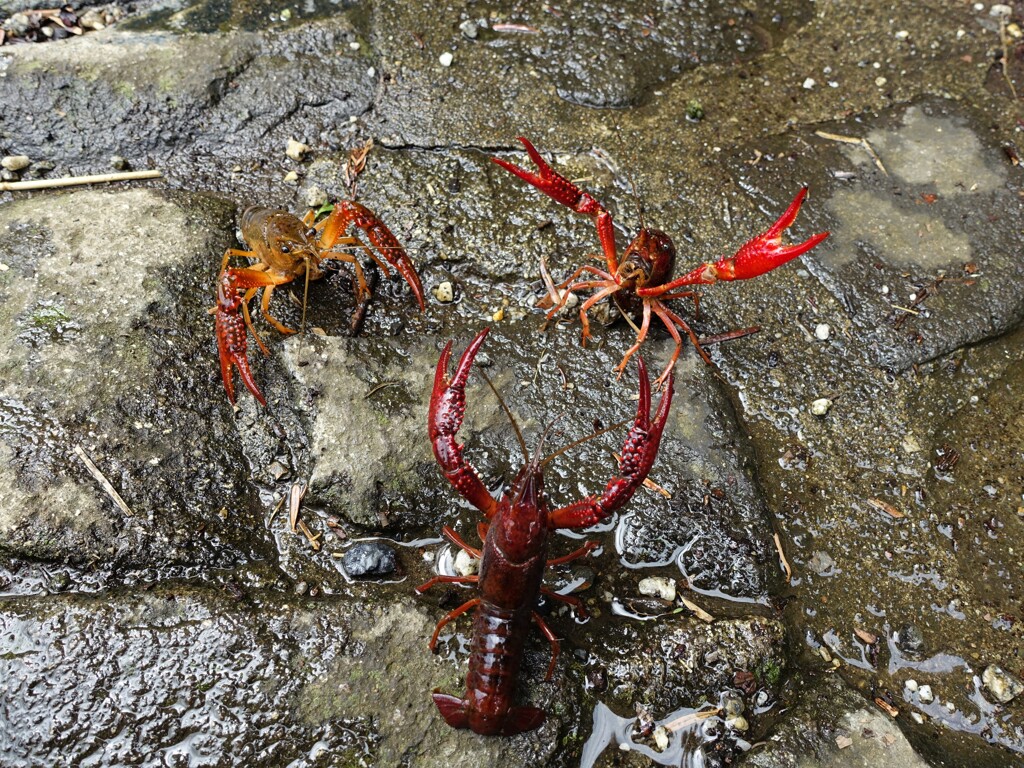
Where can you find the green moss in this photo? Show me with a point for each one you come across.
(124, 89)
(49, 317)
(770, 673)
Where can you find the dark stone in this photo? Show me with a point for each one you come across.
(369, 558)
(909, 638)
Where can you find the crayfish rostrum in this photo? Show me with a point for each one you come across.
(640, 281)
(515, 542)
(287, 248)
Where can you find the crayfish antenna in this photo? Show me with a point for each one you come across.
(511, 418)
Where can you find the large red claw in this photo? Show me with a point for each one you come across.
(550, 182)
(639, 450)
(766, 252)
(757, 256)
(447, 409)
(232, 336)
(563, 191)
(348, 212)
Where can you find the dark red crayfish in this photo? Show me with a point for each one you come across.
(514, 553)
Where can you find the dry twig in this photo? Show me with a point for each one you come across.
(72, 181)
(863, 143)
(102, 480)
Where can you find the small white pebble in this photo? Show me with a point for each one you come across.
(446, 59)
(821, 406)
(15, 162)
(809, 83)
(371, 73)
(880, 81)
(822, 331)
(296, 149)
(738, 723)
(918, 717)
(444, 292)
(291, 177)
(661, 738)
(885, 290)
(911, 685)
(1000, 10)
(354, 45)
(658, 586)
(925, 693)
(4, 267)
(902, 34)
(465, 564)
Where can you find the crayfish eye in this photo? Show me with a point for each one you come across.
(311, 233)
(285, 248)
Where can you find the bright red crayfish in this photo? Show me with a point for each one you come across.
(640, 282)
(514, 553)
(287, 248)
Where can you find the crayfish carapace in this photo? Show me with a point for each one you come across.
(287, 248)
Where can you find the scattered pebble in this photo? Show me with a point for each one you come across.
(918, 717)
(732, 704)
(909, 638)
(843, 742)
(911, 685)
(315, 197)
(902, 34)
(15, 162)
(822, 331)
(444, 292)
(821, 406)
(277, 470)
(296, 149)
(880, 81)
(468, 28)
(446, 59)
(354, 45)
(738, 723)
(499, 315)
(661, 738)
(1003, 685)
(809, 83)
(658, 586)
(910, 444)
(1000, 10)
(291, 177)
(925, 694)
(369, 558)
(465, 564)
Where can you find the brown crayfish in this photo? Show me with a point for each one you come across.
(286, 248)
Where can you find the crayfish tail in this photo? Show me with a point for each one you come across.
(453, 710)
(522, 719)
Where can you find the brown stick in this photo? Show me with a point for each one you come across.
(102, 480)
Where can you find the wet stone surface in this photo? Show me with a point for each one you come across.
(204, 626)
